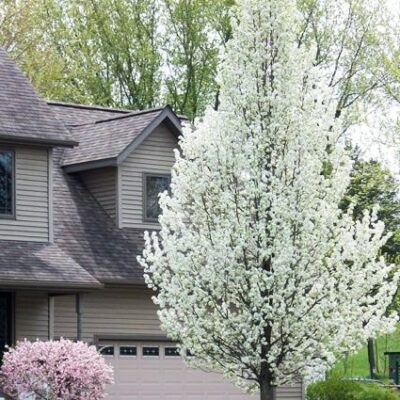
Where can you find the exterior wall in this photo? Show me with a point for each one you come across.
(102, 184)
(121, 312)
(31, 222)
(107, 313)
(294, 392)
(31, 315)
(154, 155)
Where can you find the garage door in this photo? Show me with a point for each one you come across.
(155, 371)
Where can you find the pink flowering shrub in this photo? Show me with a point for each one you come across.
(54, 370)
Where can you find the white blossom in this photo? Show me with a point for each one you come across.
(256, 269)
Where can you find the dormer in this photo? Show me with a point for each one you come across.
(125, 161)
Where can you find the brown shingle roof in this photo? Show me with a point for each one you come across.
(88, 248)
(84, 231)
(41, 264)
(78, 114)
(107, 139)
(23, 115)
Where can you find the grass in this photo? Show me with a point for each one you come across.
(356, 365)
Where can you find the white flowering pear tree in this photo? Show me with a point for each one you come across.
(257, 271)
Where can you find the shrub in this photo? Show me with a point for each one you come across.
(373, 392)
(333, 389)
(55, 370)
(336, 389)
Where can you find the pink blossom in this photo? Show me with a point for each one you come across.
(55, 370)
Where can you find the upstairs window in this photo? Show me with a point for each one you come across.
(154, 184)
(6, 183)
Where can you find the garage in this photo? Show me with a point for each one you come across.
(155, 371)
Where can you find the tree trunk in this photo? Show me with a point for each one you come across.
(371, 358)
(267, 392)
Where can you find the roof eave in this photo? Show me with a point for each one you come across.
(121, 282)
(51, 142)
(87, 165)
(50, 285)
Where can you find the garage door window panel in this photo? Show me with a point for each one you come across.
(128, 351)
(171, 351)
(106, 350)
(150, 351)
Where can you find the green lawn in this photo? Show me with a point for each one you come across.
(357, 364)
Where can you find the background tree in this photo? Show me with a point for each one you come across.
(138, 53)
(95, 51)
(257, 270)
(196, 32)
(356, 42)
(372, 185)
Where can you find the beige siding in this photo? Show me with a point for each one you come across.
(106, 313)
(102, 183)
(65, 318)
(120, 312)
(154, 155)
(31, 315)
(32, 206)
(293, 392)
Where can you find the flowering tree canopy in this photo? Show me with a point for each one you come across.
(257, 270)
(55, 370)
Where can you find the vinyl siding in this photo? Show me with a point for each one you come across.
(102, 184)
(31, 222)
(154, 155)
(291, 392)
(31, 315)
(65, 318)
(108, 312)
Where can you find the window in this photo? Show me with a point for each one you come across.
(151, 351)
(106, 350)
(6, 183)
(171, 352)
(129, 351)
(153, 186)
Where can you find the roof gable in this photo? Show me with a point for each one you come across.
(24, 116)
(108, 142)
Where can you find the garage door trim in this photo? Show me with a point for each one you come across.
(130, 338)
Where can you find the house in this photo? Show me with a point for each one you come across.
(78, 187)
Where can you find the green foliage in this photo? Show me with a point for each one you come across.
(98, 51)
(140, 53)
(357, 364)
(338, 389)
(373, 185)
(334, 389)
(121, 53)
(372, 392)
(197, 31)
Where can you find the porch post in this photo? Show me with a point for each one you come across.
(50, 318)
(78, 316)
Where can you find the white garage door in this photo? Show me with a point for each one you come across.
(154, 371)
